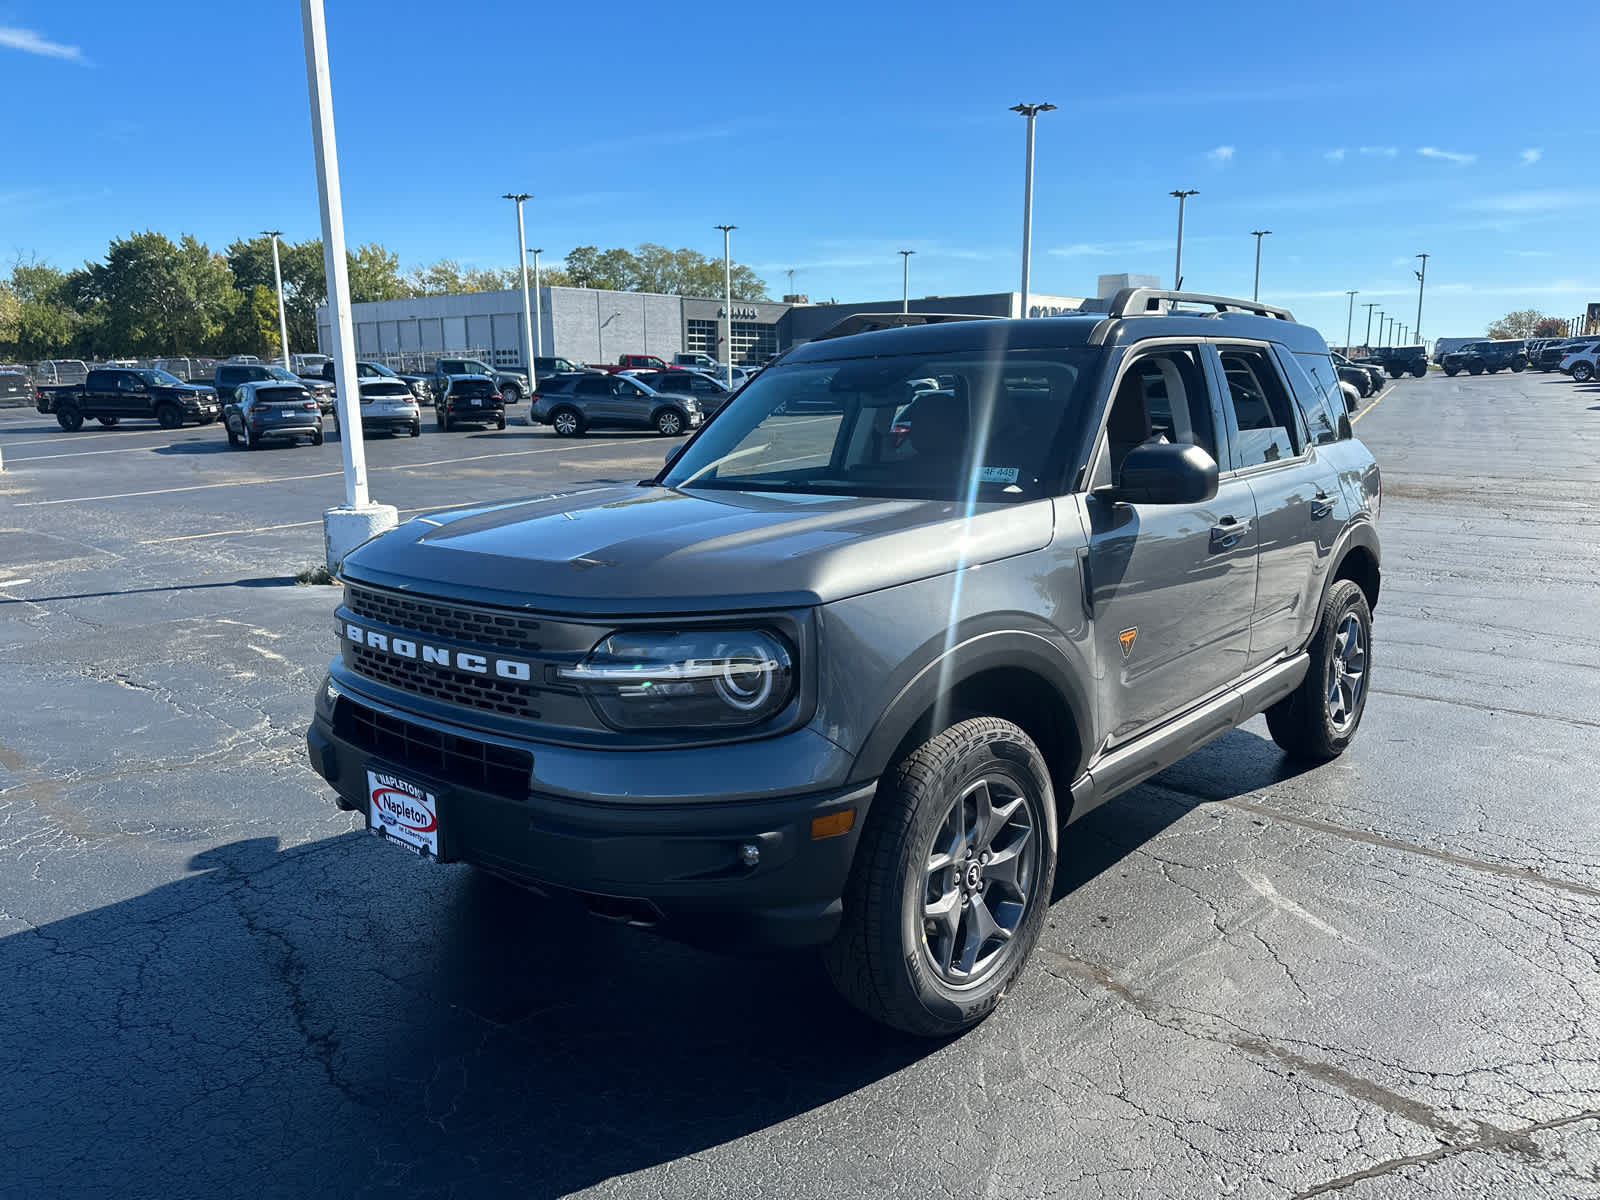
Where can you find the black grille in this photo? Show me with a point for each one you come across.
(443, 756)
(435, 618)
(482, 692)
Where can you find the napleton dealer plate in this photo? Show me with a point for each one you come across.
(403, 810)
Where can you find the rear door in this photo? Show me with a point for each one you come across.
(632, 404)
(1172, 586)
(593, 395)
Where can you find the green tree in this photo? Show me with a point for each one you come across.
(10, 312)
(253, 325)
(1517, 324)
(161, 298)
(655, 268)
(374, 274)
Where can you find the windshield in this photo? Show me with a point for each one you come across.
(377, 369)
(990, 424)
(163, 378)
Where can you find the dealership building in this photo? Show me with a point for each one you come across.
(587, 325)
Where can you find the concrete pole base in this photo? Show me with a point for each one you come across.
(346, 527)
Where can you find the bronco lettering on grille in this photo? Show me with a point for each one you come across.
(444, 656)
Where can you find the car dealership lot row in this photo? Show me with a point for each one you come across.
(1377, 977)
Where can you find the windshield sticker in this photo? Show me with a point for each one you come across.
(997, 475)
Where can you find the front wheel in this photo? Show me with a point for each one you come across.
(168, 416)
(1583, 372)
(951, 881)
(70, 419)
(1452, 371)
(1475, 368)
(1519, 364)
(1418, 370)
(1320, 718)
(108, 422)
(669, 422)
(511, 393)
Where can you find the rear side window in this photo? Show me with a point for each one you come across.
(1316, 385)
(595, 386)
(1263, 412)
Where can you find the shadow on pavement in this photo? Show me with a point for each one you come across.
(264, 581)
(340, 1018)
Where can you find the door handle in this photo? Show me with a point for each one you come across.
(1321, 506)
(1225, 535)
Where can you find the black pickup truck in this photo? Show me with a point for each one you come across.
(1477, 357)
(110, 394)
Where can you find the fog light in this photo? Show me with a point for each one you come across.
(833, 824)
(750, 854)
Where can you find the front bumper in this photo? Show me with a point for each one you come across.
(680, 868)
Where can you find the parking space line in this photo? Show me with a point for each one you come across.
(1373, 405)
(84, 437)
(10, 583)
(27, 458)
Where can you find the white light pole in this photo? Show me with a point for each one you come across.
(522, 261)
(905, 280)
(1349, 317)
(277, 275)
(538, 309)
(1031, 111)
(727, 293)
(1177, 271)
(347, 527)
(1258, 234)
(1422, 279)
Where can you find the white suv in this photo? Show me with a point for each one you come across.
(1579, 361)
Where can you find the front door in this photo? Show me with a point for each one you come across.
(1172, 586)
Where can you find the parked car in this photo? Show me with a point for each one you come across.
(272, 409)
(469, 400)
(1550, 356)
(421, 385)
(1352, 395)
(803, 689)
(1449, 345)
(15, 390)
(230, 375)
(512, 385)
(632, 362)
(705, 388)
(1477, 357)
(1580, 362)
(1365, 377)
(387, 406)
(110, 395)
(545, 366)
(575, 404)
(190, 370)
(695, 360)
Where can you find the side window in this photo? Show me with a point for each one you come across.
(594, 387)
(1162, 395)
(1315, 382)
(127, 381)
(1262, 411)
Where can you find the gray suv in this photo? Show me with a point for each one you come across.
(820, 683)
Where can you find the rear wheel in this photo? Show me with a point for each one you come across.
(108, 422)
(252, 440)
(316, 437)
(1583, 372)
(444, 421)
(1452, 371)
(1320, 717)
(416, 428)
(233, 438)
(951, 881)
(70, 419)
(1418, 370)
(168, 416)
(501, 423)
(567, 422)
(1475, 368)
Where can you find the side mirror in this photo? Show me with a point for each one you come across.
(1166, 473)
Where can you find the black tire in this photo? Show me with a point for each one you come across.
(567, 422)
(252, 440)
(1452, 371)
(883, 960)
(1519, 364)
(316, 437)
(444, 421)
(1418, 370)
(69, 418)
(1304, 723)
(501, 423)
(511, 393)
(108, 422)
(1583, 372)
(669, 422)
(1475, 368)
(416, 429)
(233, 438)
(169, 416)
(1394, 371)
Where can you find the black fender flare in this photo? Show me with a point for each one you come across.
(1358, 533)
(979, 652)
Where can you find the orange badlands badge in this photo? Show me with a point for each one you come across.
(1128, 637)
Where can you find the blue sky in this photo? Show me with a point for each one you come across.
(835, 135)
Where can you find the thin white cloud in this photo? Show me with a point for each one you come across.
(1455, 156)
(1220, 155)
(1532, 155)
(1540, 201)
(1533, 253)
(1106, 249)
(1335, 155)
(30, 42)
(1379, 151)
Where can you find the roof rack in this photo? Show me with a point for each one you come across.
(868, 322)
(1132, 302)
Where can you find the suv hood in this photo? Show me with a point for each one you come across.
(631, 550)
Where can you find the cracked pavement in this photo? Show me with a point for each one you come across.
(1379, 978)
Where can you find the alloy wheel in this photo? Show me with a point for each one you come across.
(1347, 674)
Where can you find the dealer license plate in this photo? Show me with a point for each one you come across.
(404, 811)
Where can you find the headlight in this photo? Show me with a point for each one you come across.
(696, 679)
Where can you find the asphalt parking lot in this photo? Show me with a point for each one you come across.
(1379, 978)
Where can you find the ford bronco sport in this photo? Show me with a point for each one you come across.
(817, 684)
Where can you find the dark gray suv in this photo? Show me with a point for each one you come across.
(843, 671)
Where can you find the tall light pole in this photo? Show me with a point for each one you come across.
(1422, 279)
(347, 527)
(1258, 234)
(1367, 342)
(905, 280)
(522, 261)
(790, 274)
(727, 295)
(1031, 111)
(1177, 270)
(277, 275)
(1349, 317)
(538, 310)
